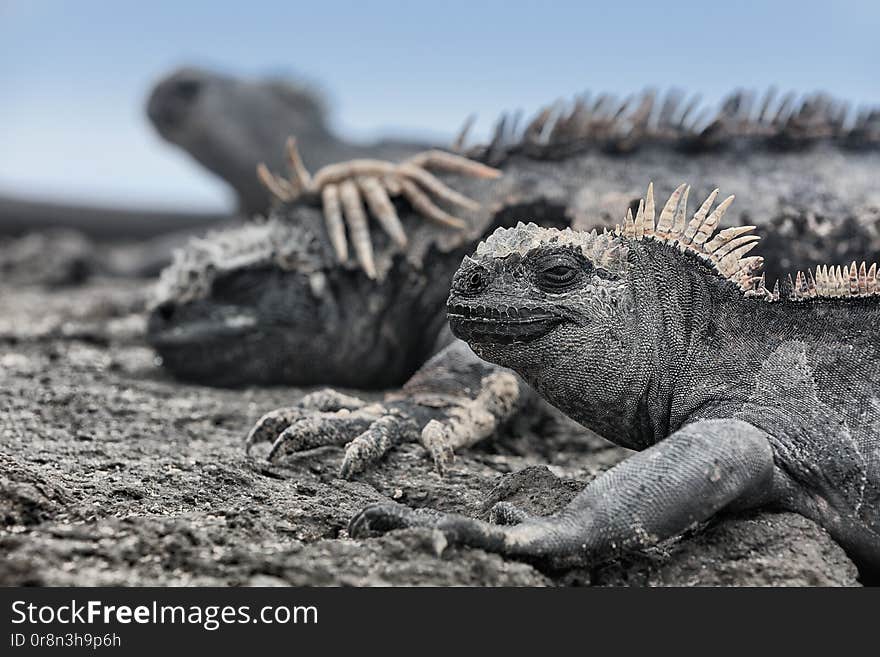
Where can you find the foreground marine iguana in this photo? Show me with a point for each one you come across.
(663, 338)
(268, 303)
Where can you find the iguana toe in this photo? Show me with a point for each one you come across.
(318, 430)
(374, 443)
(437, 438)
(271, 425)
(380, 518)
(505, 513)
(387, 516)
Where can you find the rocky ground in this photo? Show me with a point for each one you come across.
(111, 473)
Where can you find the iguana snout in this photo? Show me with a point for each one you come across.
(481, 308)
(172, 100)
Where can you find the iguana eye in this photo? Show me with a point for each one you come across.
(558, 276)
(187, 89)
(560, 273)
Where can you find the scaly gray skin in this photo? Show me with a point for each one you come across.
(266, 303)
(275, 307)
(278, 344)
(734, 401)
(229, 125)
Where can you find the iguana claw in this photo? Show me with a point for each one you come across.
(385, 517)
(326, 417)
(456, 529)
(344, 188)
(380, 518)
(440, 421)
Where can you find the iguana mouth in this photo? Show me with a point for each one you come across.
(200, 331)
(482, 324)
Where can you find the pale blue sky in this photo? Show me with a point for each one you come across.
(73, 75)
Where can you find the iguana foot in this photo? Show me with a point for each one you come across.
(457, 529)
(273, 424)
(368, 431)
(454, 401)
(466, 422)
(331, 418)
(653, 495)
(344, 188)
(381, 518)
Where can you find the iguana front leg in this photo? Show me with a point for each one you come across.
(454, 401)
(653, 495)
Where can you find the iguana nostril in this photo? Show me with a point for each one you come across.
(187, 89)
(471, 280)
(166, 310)
(172, 100)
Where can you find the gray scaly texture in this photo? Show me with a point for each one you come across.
(663, 337)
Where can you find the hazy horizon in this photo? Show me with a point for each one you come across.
(76, 76)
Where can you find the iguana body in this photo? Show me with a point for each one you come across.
(397, 318)
(270, 305)
(229, 125)
(735, 396)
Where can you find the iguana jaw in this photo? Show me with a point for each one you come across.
(182, 336)
(199, 331)
(484, 325)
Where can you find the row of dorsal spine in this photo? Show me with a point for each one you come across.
(727, 250)
(856, 280)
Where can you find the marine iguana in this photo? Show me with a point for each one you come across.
(229, 125)
(608, 126)
(269, 303)
(663, 337)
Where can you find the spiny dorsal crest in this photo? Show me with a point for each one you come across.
(727, 250)
(835, 282)
(195, 266)
(602, 249)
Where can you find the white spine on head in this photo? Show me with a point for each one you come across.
(727, 250)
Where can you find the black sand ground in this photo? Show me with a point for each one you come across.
(113, 473)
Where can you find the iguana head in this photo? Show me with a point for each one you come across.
(529, 290)
(224, 311)
(267, 304)
(590, 318)
(230, 125)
